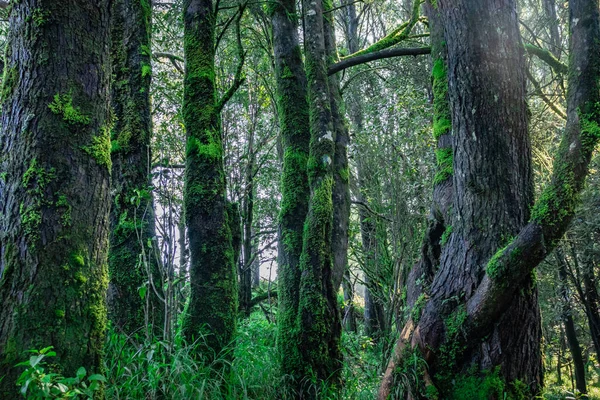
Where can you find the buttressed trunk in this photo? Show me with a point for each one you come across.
(212, 308)
(54, 191)
(482, 318)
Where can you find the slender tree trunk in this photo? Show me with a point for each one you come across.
(552, 23)
(292, 108)
(213, 300)
(570, 332)
(131, 264)
(349, 317)
(374, 314)
(318, 320)
(246, 267)
(341, 172)
(589, 293)
(55, 186)
(255, 267)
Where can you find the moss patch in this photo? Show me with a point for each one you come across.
(63, 105)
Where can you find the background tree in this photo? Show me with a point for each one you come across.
(136, 285)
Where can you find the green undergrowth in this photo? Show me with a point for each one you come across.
(154, 370)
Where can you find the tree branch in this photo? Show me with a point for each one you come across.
(547, 57)
(545, 98)
(378, 55)
(239, 78)
(396, 36)
(173, 58)
(262, 297)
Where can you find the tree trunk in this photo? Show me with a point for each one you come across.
(318, 321)
(589, 293)
(341, 172)
(213, 300)
(55, 186)
(483, 309)
(246, 267)
(292, 107)
(570, 332)
(349, 317)
(131, 264)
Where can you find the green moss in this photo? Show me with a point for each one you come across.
(9, 82)
(396, 36)
(145, 50)
(146, 70)
(442, 121)
(39, 17)
(445, 159)
(34, 181)
(59, 313)
(287, 73)
(63, 105)
(344, 174)
(446, 235)
(76, 260)
(212, 150)
(62, 202)
(80, 277)
(31, 219)
(590, 128)
(557, 201)
(101, 148)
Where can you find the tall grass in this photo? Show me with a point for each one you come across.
(160, 370)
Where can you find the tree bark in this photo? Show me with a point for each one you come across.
(498, 298)
(55, 186)
(341, 171)
(132, 264)
(213, 301)
(318, 321)
(292, 107)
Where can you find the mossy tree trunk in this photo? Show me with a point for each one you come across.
(292, 107)
(481, 313)
(55, 186)
(213, 302)
(318, 321)
(341, 172)
(132, 262)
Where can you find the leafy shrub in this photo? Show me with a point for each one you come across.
(36, 383)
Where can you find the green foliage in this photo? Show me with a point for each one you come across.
(37, 382)
(475, 386)
(63, 105)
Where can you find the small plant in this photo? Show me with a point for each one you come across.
(35, 383)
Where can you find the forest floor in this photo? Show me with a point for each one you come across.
(156, 370)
